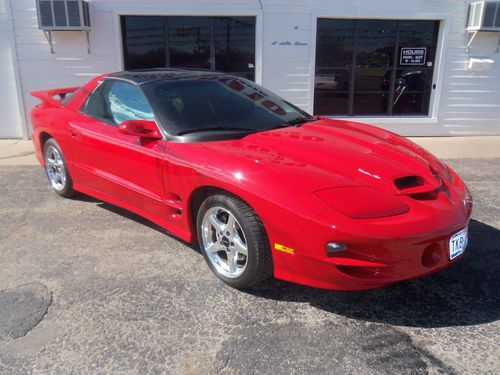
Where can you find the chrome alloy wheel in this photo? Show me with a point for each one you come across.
(224, 242)
(54, 166)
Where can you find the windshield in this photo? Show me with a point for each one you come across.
(219, 103)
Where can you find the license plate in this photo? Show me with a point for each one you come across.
(458, 243)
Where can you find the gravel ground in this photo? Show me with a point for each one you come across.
(86, 287)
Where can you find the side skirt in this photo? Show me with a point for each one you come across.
(185, 235)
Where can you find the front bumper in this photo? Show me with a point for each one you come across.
(372, 263)
(379, 251)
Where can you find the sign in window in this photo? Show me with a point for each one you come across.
(413, 56)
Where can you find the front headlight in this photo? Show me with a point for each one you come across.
(363, 202)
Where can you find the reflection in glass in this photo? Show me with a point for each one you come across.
(412, 87)
(375, 43)
(331, 102)
(143, 42)
(222, 43)
(333, 79)
(372, 79)
(413, 79)
(370, 104)
(234, 42)
(218, 103)
(334, 36)
(189, 42)
(410, 103)
(334, 57)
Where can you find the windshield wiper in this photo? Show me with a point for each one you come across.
(196, 130)
(297, 121)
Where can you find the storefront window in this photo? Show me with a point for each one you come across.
(374, 67)
(216, 43)
(188, 42)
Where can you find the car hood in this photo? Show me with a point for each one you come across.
(333, 153)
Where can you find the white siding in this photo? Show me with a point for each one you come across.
(471, 101)
(10, 126)
(70, 64)
(466, 102)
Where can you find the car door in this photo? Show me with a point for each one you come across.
(125, 169)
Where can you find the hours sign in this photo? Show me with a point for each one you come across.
(413, 56)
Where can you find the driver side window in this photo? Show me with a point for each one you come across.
(115, 101)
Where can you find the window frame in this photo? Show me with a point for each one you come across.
(393, 68)
(397, 123)
(215, 10)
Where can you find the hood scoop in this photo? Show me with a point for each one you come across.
(408, 182)
(417, 187)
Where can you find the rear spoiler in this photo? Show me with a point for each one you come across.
(49, 96)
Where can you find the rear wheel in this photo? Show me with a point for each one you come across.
(233, 241)
(56, 169)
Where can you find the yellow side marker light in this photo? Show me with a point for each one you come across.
(283, 248)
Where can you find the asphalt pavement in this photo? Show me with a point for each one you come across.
(88, 288)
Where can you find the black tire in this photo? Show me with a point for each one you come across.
(259, 263)
(66, 189)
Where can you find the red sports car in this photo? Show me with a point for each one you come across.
(263, 187)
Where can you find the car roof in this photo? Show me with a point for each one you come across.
(143, 76)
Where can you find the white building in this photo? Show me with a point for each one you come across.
(399, 64)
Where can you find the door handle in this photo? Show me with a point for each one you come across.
(74, 133)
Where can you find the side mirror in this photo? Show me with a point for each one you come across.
(146, 129)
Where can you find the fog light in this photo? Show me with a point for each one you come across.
(432, 255)
(335, 247)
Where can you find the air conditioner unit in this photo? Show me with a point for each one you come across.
(484, 16)
(63, 15)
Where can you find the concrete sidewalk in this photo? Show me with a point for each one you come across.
(461, 147)
(17, 152)
(20, 152)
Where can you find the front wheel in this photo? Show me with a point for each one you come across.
(233, 241)
(56, 169)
